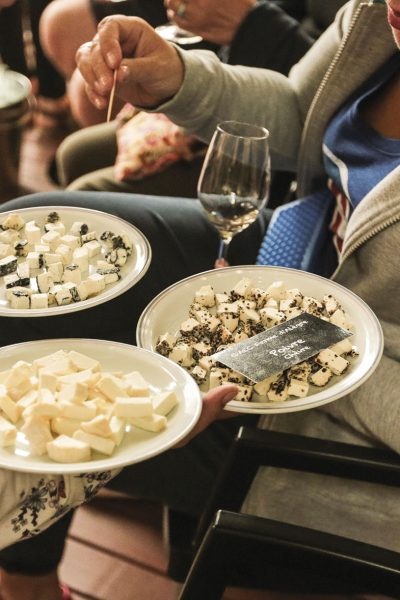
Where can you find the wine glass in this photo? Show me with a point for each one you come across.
(172, 33)
(234, 181)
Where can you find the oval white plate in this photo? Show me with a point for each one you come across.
(170, 308)
(133, 270)
(137, 444)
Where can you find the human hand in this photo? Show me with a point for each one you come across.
(149, 68)
(213, 409)
(216, 22)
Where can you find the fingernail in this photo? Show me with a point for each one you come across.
(125, 72)
(111, 59)
(229, 396)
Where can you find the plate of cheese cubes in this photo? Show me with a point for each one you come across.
(82, 405)
(55, 260)
(204, 314)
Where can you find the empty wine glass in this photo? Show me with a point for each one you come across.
(234, 181)
(172, 33)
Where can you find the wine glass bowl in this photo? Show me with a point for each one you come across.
(172, 33)
(234, 181)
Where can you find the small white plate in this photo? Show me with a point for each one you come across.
(137, 445)
(133, 270)
(167, 311)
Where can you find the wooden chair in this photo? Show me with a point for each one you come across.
(231, 548)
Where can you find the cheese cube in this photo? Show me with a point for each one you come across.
(100, 444)
(340, 319)
(98, 281)
(13, 221)
(337, 364)
(93, 247)
(35, 260)
(57, 226)
(8, 433)
(44, 281)
(28, 399)
(205, 296)
(82, 362)
(132, 407)
(243, 288)
(321, 377)
(111, 387)
(164, 402)
(80, 257)
(87, 376)
(72, 273)
(41, 248)
(8, 406)
(39, 301)
(64, 426)
(84, 411)
(277, 290)
(37, 432)
(75, 393)
(70, 240)
(32, 232)
(154, 423)
(65, 252)
(117, 427)
(5, 250)
(55, 271)
(65, 449)
(99, 425)
(79, 228)
(342, 347)
(48, 381)
(298, 388)
(271, 316)
(52, 239)
(137, 385)
(181, 354)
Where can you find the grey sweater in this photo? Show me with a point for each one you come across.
(296, 110)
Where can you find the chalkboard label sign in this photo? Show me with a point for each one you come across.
(281, 346)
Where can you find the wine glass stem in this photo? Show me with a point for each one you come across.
(223, 249)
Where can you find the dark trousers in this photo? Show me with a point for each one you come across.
(183, 243)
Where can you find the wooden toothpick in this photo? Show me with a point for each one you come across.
(112, 94)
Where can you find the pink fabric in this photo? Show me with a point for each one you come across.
(148, 143)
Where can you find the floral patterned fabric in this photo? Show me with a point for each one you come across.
(149, 143)
(30, 503)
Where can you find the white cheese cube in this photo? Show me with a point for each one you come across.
(321, 377)
(191, 325)
(222, 298)
(271, 317)
(93, 248)
(111, 274)
(244, 393)
(294, 294)
(337, 364)
(32, 232)
(259, 296)
(52, 257)
(65, 252)
(100, 444)
(37, 431)
(82, 362)
(312, 306)
(243, 287)
(13, 221)
(342, 347)
(277, 290)
(80, 257)
(19, 299)
(98, 282)
(164, 402)
(278, 392)
(181, 354)
(331, 304)
(62, 296)
(83, 412)
(5, 250)
(99, 425)
(52, 239)
(298, 388)
(137, 385)
(63, 426)
(247, 314)
(44, 281)
(58, 226)
(117, 427)
(8, 406)
(75, 393)
(229, 320)
(263, 387)
(340, 319)
(154, 423)
(165, 343)
(35, 260)
(55, 271)
(87, 377)
(48, 381)
(65, 449)
(199, 375)
(205, 296)
(132, 407)
(39, 301)
(8, 433)
(111, 387)
(79, 228)
(28, 399)
(41, 248)
(70, 240)
(72, 273)
(218, 377)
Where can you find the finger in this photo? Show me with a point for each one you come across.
(214, 403)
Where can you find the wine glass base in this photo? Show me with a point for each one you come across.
(173, 33)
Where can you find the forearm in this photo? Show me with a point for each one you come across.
(213, 92)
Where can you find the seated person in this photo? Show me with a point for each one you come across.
(255, 34)
(338, 93)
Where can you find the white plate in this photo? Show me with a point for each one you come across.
(170, 308)
(133, 270)
(137, 445)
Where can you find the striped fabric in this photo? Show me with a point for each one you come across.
(340, 217)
